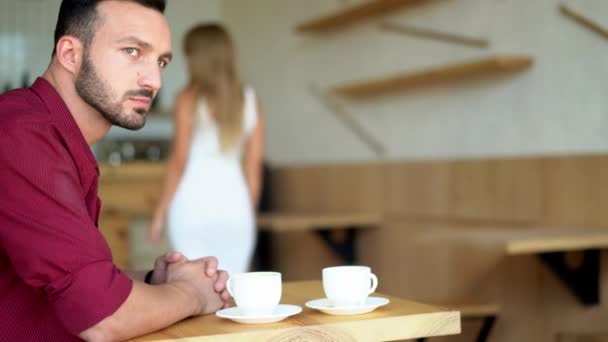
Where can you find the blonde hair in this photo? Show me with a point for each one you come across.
(214, 75)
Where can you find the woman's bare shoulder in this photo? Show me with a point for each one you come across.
(186, 95)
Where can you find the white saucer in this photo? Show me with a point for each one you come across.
(371, 304)
(281, 312)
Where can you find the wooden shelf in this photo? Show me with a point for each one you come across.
(490, 65)
(584, 20)
(426, 33)
(354, 14)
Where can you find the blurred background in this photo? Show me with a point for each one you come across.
(455, 146)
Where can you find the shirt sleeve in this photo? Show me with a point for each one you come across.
(47, 232)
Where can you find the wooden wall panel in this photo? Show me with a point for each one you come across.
(417, 190)
(507, 191)
(471, 189)
(517, 190)
(298, 189)
(328, 189)
(576, 190)
(357, 188)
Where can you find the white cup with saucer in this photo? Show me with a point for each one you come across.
(256, 293)
(348, 285)
(257, 296)
(347, 289)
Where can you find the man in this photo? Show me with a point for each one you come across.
(57, 278)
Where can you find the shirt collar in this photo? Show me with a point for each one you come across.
(57, 108)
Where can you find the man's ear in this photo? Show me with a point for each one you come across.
(70, 53)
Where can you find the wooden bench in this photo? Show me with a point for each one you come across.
(287, 222)
(338, 231)
(550, 245)
(487, 312)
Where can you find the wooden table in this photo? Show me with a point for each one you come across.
(550, 245)
(337, 230)
(400, 319)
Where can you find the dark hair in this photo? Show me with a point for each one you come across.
(79, 18)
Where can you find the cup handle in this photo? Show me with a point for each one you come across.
(229, 287)
(374, 283)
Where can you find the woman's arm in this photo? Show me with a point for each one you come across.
(254, 156)
(183, 118)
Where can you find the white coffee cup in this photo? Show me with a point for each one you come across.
(348, 285)
(255, 293)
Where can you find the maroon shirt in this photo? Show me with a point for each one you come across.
(57, 277)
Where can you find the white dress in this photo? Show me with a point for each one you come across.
(211, 212)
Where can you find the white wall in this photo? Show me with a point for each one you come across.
(558, 106)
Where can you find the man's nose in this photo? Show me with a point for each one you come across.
(150, 78)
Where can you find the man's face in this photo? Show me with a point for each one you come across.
(121, 69)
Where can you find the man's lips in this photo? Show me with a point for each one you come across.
(141, 100)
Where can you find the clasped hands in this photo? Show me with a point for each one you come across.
(200, 278)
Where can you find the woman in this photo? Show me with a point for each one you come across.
(207, 201)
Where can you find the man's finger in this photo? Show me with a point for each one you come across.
(220, 283)
(229, 301)
(175, 257)
(160, 262)
(210, 265)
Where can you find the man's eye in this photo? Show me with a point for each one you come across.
(133, 52)
(162, 64)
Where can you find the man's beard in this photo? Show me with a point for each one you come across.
(97, 93)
